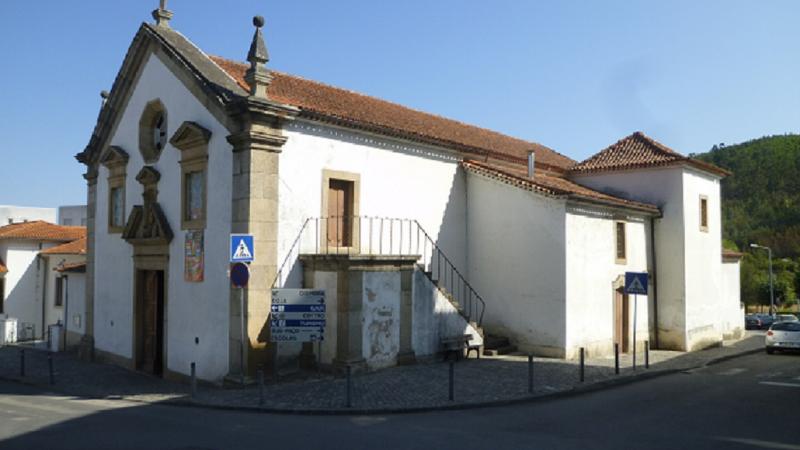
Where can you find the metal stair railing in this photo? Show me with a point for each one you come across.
(383, 236)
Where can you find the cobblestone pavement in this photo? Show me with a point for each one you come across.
(421, 386)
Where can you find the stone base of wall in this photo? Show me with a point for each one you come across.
(112, 358)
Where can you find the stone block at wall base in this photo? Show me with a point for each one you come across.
(356, 365)
(112, 358)
(86, 348)
(406, 358)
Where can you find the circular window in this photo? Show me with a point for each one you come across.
(160, 131)
(153, 131)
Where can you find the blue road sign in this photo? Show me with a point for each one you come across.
(297, 315)
(636, 283)
(242, 249)
(240, 275)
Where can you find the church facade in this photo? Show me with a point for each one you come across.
(418, 228)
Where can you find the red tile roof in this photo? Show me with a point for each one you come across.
(638, 151)
(731, 254)
(318, 100)
(76, 247)
(39, 230)
(554, 186)
(3, 268)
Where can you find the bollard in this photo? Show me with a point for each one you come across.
(260, 387)
(347, 398)
(530, 374)
(50, 368)
(646, 354)
(582, 362)
(22, 362)
(452, 376)
(616, 358)
(194, 380)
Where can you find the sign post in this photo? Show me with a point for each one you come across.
(242, 251)
(635, 283)
(298, 315)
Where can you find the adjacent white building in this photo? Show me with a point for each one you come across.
(72, 215)
(418, 228)
(29, 291)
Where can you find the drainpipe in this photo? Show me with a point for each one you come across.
(66, 308)
(655, 285)
(44, 292)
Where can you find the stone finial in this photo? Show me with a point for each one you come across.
(257, 75)
(162, 15)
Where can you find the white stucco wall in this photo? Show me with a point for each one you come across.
(704, 289)
(592, 271)
(434, 318)
(662, 187)
(517, 263)
(74, 215)
(731, 311)
(75, 322)
(397, 180)
(193, 309)
(381, 319)
(53, 313)
(24, 282)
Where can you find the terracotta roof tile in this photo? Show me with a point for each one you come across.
(731, 254)
(76, 247)
(638, 151)
(41, 231)
(3, 268)
(322, 101)
(554, 186)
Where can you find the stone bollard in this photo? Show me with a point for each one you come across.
(50, 368)
(260, 387)
(450, 395)
(194, 380)
(582, 362)
(616, 358)
(348, 402)
(530, 374)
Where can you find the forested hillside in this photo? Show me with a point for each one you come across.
(761, 204)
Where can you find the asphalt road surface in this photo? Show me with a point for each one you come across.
(751, 402)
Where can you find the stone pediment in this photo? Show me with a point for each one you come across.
(147, 225)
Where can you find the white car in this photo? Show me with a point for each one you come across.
(783, 336)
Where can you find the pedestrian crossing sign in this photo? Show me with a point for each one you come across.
(242, 249)
(636, 283)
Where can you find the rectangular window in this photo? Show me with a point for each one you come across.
(116, 208)
(194, 204)
(703, 213)
(59, 291)
(621, 256)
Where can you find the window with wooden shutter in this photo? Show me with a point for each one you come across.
(703, 213)
(621, 244)
(59, 291)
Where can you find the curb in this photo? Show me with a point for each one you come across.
(609, 383)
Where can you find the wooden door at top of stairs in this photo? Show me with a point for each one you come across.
(340, 213)
(621, 320)
(150, 322)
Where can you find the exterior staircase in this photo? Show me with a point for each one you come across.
(494, 345)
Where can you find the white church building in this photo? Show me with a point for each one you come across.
(418, 228)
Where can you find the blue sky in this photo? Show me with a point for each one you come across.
(573, 75)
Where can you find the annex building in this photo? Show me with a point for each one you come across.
(416, 226)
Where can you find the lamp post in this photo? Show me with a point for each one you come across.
(771, 294)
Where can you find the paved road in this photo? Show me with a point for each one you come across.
(751, 402)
